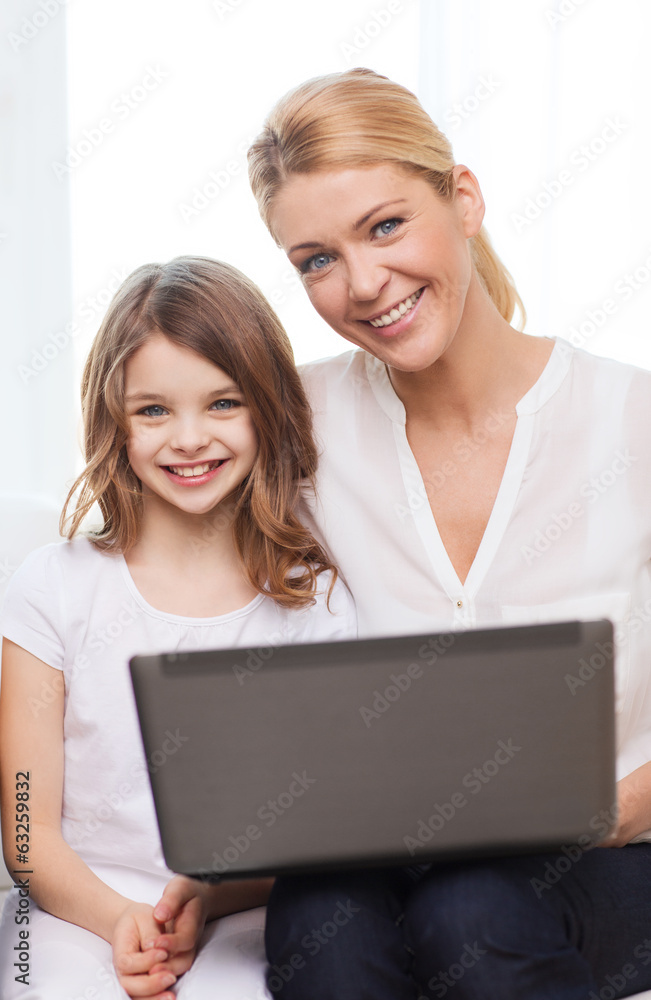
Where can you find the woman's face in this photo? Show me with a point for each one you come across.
(385, 260)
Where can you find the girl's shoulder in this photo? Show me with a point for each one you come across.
(52, 584)
(51, 567)
(69, 555)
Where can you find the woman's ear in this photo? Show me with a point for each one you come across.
(469, 199)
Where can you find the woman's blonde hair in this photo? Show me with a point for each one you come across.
(214, 310)
(360, 118)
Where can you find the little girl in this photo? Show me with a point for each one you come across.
(198, 447)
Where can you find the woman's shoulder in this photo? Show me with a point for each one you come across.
(333, 615)
(614, 394)
(321, 378)
(591, 365)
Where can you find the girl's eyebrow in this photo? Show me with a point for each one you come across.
(357, 225)
(138, 397)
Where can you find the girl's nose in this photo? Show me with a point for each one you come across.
(190, 436)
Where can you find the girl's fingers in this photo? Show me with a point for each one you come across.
(177, 944)
(152, 986)
(178, 964)
(136, 963)
(176, 894)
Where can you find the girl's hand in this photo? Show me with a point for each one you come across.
(183, 907)
(142, 970)
(633, 807)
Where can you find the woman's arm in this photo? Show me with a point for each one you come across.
(31, 741)
(633, 807)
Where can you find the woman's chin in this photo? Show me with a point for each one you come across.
(409, 358)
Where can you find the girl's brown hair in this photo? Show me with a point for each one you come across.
(359, 118)
(216, 311)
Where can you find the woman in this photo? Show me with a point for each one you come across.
(470, 475)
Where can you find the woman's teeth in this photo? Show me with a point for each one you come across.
(398, 311)
(193, 470)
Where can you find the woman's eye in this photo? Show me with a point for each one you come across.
(387, 227)
(149, 411)
(316, 263)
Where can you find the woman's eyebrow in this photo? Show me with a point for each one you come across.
(357, 225)
(383, 204)
(303, 246)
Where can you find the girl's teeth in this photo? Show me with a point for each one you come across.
(194, 470)
(398, 311)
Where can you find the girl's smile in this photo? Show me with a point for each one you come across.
(194, 475)
(192, 441)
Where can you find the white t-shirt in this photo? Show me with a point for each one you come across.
(569, 535)
(78, 610)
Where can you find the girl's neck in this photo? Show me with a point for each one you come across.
(187, 564)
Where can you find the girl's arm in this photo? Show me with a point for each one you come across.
(189, 903)
(31, 742)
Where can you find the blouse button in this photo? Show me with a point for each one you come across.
(459, 604)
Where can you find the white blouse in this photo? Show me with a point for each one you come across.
(569, 535)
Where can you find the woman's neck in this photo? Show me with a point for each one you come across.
(488, 365)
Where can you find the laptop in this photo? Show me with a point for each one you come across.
(391, 751)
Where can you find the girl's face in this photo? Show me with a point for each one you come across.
(384, 259)
(191, 439)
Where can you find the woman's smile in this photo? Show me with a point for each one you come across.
(387, 322)
(384, 258)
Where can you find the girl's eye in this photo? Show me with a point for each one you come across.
(226, 404)
(316, 263)
(149, 410)
(387, 227)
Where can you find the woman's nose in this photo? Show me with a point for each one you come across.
(367, 276)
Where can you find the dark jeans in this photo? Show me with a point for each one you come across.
(569, 926)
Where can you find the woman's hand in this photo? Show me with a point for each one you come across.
(142, 969)
(633, 807)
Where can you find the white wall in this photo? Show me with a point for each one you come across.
(37, 383)
(530, 92)
(170, 175)
(37, 380)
